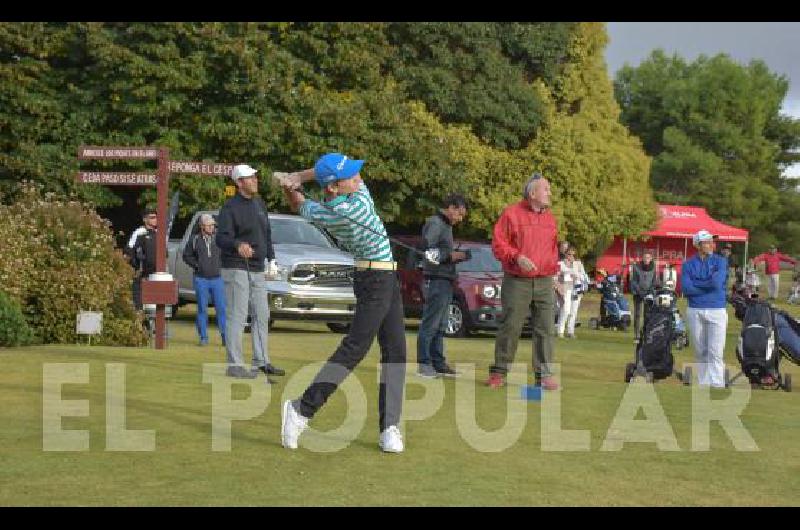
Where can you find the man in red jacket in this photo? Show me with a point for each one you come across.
(525, 242)
(773, 260)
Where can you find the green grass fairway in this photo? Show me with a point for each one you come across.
(165, 393)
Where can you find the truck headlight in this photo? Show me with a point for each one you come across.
(283, 273)
(491, 291)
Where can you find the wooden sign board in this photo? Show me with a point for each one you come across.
(201, 168)
(117, 179)
(88, 152)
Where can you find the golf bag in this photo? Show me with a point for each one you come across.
(614, 309)
(756, 350)
(665, 298)
(794, 294)
(655, 343)
(788, 336)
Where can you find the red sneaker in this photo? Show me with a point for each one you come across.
(495, 380)
(549, 383)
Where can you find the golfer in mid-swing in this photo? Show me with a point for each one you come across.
(349, 215)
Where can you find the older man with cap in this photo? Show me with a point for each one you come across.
(202, 255)
(703, 280)
(772, 260)
(349, 214)
(244, 237)
(526, 244)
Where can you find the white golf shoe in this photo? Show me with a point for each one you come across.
(391, 441)
(292, 425)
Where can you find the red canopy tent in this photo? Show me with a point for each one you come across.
(670, 242)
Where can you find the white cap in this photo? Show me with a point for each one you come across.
(702, 235)
(242, 171)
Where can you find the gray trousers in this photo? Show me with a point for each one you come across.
(773, 285)
(240, 295)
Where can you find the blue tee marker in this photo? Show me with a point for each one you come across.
(531, 392)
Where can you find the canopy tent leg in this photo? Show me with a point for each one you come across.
(744, 263)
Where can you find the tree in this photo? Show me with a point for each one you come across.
(716, 135)
(433, 108)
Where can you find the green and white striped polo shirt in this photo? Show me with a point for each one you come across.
(338, 216)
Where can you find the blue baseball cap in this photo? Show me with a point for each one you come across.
(335, 166)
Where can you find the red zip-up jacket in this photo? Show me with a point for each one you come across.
(773, 261)
(520, 230)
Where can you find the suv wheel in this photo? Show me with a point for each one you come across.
(456, 322)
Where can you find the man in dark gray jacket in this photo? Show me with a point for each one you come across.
(437, 236)
(201, 253)
(643, 280)
(245, 241)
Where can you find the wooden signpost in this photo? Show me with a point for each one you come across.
(159, 288)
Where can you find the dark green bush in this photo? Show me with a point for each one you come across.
(14, 330)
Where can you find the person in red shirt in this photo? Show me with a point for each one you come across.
(773, 259)
(526, 244)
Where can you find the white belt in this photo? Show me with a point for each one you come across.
(379, 265)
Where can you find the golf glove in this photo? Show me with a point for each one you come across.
(280, 177)
(432, 255)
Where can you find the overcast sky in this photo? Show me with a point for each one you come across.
(776, 43)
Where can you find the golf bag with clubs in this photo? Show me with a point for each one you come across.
(614, 309)
(757, 350)
(653, 351)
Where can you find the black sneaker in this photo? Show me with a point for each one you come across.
(445, 371)
(239, 372)
(272, 370)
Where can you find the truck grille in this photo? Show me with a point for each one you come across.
(321, 275)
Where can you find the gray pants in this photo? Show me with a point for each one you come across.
(240, 295)
(773, 285)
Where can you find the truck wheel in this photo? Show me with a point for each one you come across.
(338, 327)
(456, 320)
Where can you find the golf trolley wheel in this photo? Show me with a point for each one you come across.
(687, 376)
(727, 377)
(593, 323)
(629, 369)
(787, 382)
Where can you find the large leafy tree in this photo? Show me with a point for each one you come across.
(434, 108)
(717, 138)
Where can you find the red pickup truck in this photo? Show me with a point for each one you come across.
(476, 297)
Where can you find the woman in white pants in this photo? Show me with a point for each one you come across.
(573, 280)
(703, 280)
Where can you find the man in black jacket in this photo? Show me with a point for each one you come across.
(201, 253)
(643, 280)
(437, 235)
(141, 252)
(245, 241)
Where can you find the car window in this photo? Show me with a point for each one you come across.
(299, 232)
(482, 260)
